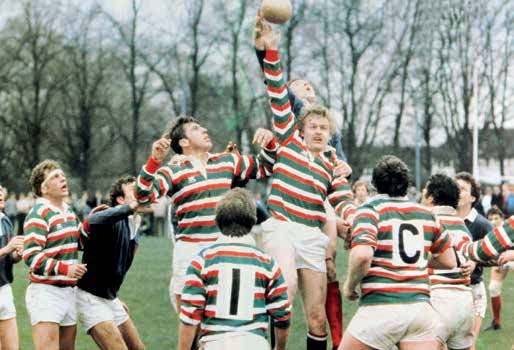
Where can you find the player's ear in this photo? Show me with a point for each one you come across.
(183, 143)
(120, 200)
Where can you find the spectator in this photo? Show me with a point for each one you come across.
(497, 198)
(159, 215)
(360, 191)
(10, 208)
(487, 199)
(509, 202)
(23, 207)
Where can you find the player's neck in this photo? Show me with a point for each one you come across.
(55, 201)
(463, 211)
(201, 155)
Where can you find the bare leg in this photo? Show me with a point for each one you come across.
(67, 335)
(107, 336)
(131, 336)
(9, 334)
(46, 336)
(313, 285)
(351, 343)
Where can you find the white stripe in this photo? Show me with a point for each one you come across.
(306, 211)
(395, 285)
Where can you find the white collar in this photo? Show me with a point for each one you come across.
(44, 201)
(472, 215)
(444, 210)
(246, 239)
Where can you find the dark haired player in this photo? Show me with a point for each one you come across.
(196, 182)
(479, 227)
(391, 241)
(450, 293)
(110, 242)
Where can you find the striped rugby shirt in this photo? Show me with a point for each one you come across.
(459, 235)
(493, 244)
(232, 286)
(300, 184)
(195, 193)
(50, 243)
(402, 233)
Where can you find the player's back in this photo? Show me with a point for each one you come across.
(402, 234)
(241, 282)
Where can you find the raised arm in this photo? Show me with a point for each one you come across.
(154, 181)
(284, 121)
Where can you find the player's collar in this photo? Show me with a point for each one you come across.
(386, 196)
(472, 215)
(444, 210)
(44, 201)
(246, 239)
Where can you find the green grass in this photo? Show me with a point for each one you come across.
(146, 292)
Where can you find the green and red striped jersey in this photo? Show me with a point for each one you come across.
(50, 243)
(402, 233)
(232, 286)
(301, 183)
(195, 193)
(459, 234)
(493, 244)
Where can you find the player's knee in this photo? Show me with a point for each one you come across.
(138, 346)
(317, 320)
(495, 288)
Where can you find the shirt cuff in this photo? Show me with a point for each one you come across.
(63, 268)
(272, 55)
(152, 165)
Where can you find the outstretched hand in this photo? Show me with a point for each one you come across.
(269, 37)
(262, 137)
(160, 148)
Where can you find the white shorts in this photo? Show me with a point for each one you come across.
(383, 326)
(479, 299)
(93, 310)
(306, 245)
(455, 310)
(7, 309)
(183, 253)
(235, 341)
(47, 303)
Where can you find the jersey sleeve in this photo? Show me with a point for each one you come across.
(194, 294)
(153, 181)
(284, 121)
(256, 167)
(365, 227)
(441, 240)
(277, 304)
(341, 198)
(493, 244)
(36, 230)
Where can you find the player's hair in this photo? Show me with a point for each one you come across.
(37, 177)
(359, 183)
(475, 186)
(117, 188)
(319, 111)
(391, 176)
(236, 213)
(176, 132)
(443, 190)
(495, 211)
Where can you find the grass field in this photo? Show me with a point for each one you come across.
(146, 292)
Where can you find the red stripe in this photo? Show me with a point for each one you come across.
(237, 255)
(271, 72)
(196, 207)
(391, 265)
(278, 90)
(396, 277)
(395, 290)
(145, 182)
(53, 282)
(190, 174)
(200, 189)
(33, 239)
(403, 210)
(297, 195)
(298, 213)
(62, 251)
(184, 238)
(197, 223)
(34, 224)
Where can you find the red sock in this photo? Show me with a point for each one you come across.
(334, 310)
(496, 303)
